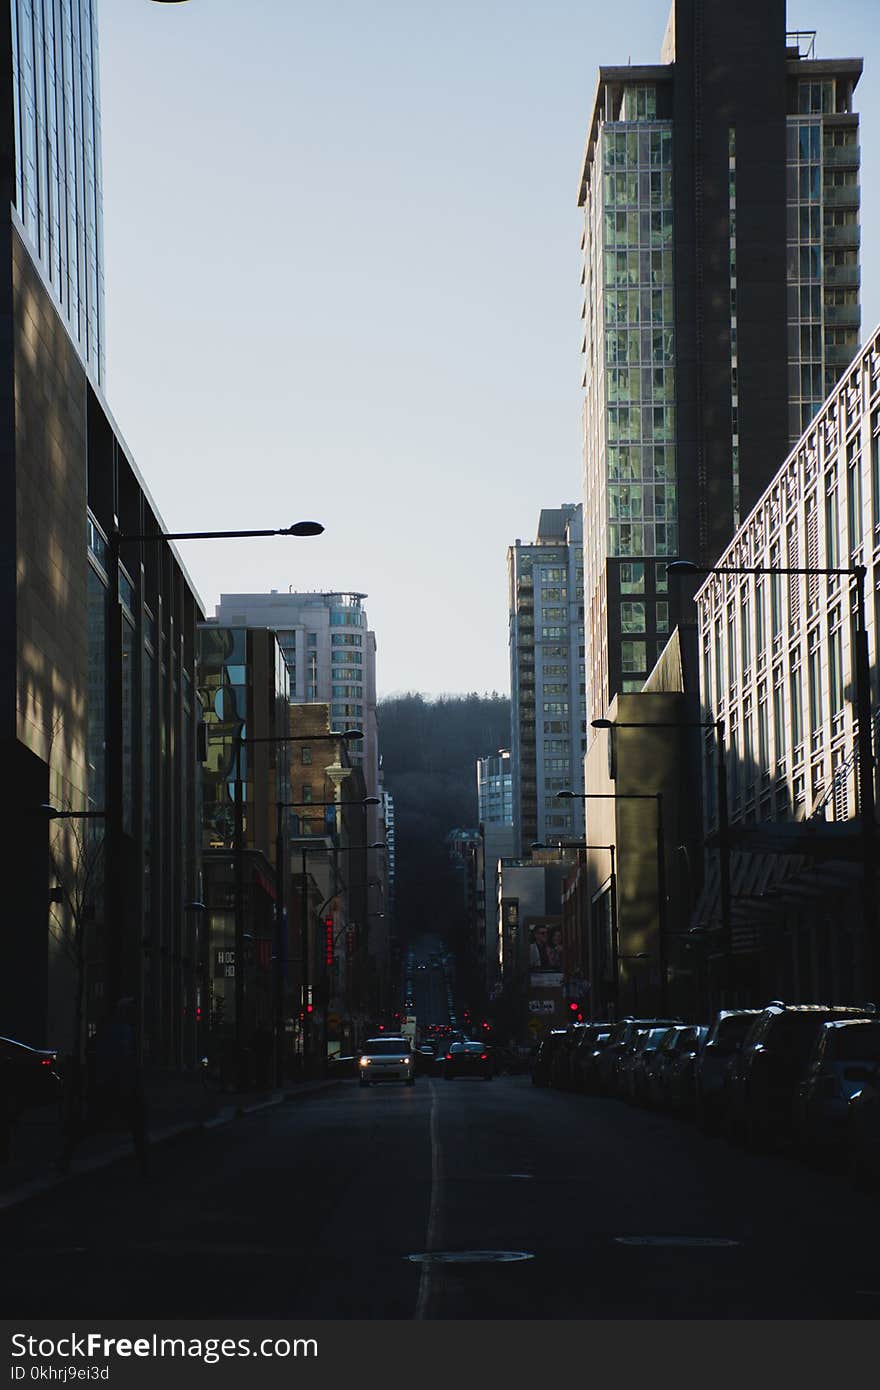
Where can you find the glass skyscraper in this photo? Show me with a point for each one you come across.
(57, 127)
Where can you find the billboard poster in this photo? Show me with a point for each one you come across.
(545, 949)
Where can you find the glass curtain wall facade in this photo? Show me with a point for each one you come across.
(823, 198)
(57, 122)
(629, 377)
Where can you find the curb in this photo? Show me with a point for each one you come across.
(34, 1187)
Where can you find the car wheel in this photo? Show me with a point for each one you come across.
(410, 1081)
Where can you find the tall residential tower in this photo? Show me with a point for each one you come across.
(720, 300)
(547, 696)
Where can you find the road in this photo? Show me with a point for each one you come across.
(312, 1210)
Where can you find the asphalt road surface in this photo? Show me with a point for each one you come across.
(312, 1210)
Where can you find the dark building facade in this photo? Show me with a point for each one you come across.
(721, 301)
(98, 710)
(97, 614)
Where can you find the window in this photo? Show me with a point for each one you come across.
(778, 718)
(663, 617)
(832, 530)
(305, 794)
(306, 755)
(875, 465)
(814, 682)
(745, 635)
(797, 717)
(632, 577)
(632, 617)
(633, 656)
(835, 671)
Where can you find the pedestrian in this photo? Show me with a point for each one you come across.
(115, 1091)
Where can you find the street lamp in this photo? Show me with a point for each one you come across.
(657, 798)
(856, 574)
(114, 729)
(723, 818)
(304, 910)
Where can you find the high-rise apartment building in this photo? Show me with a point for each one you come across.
(547, 708)
(720, 301)
(54, 120)
(330, 654)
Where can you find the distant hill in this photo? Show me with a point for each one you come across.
(429, 752)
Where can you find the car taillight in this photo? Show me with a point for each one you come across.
(449, 1056)
(483, 1057)
(47, 1061)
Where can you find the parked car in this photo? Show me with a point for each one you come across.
(636, 1078)
(560, 1067)
(681, 1072)
(720, 1046)
(469, 1059)
(765, 1073)
(386, 1059)
(845, 1058)
(622, 1036)
(656, 1065)
(584, 1062)
(544, 1056)
(29, 1076)
(863, 1133)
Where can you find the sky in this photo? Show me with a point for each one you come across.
(343, 284)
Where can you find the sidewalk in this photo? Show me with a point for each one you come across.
(176, 1104)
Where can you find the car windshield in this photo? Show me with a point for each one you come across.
(472, 1047)
(735, 1028)
(384, 1047)
(792, 1035)
(858, 1044)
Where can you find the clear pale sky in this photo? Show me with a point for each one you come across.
(342, 259)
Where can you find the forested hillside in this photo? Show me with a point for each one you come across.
(429, 752)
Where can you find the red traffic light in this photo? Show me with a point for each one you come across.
(573, 1007)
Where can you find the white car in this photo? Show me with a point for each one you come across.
(387, 1059)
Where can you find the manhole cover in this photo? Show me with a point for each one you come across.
(470, 1257)
(674, 1240)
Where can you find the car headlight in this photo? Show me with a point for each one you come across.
(365, 1061)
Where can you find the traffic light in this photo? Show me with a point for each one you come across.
(573, 1007)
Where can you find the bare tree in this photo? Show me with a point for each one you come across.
(76, 860)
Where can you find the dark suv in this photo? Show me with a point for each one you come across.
(764, 1075)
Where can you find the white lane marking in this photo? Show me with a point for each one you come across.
(433, 1211)
(676, 1240)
